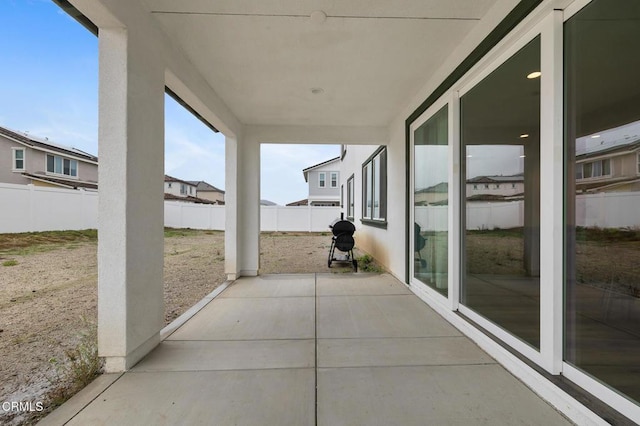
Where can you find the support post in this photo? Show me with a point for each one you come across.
(130, 206)
(242, 208)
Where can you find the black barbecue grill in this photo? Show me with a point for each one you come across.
(343, 241)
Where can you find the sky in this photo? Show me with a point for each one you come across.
(49, 88)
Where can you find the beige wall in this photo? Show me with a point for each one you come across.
(211, 195)
(35, 162)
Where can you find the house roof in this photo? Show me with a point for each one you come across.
(621, 148)
(188, 199)
(324, 163)
(304, 202)
(168, 178)
(439, 188)
(203, 186)
(497, 179)
(64, 183)
(46, 145)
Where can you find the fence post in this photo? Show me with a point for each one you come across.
(310, 219)
(32, 203)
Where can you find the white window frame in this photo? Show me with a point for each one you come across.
(376, 176)
(350, 197)
(333, 179)
(322, 180)
(14, 159)
(638, 161)
(62, 159)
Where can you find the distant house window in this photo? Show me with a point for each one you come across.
(639, 163)
(18, 159)
(169, 185)
(350, 202)
(322, 179)
(486, 186)
(190, 190)
(62, 166)
(497, 186)
(334, 179)
(593, 169)
(183, 189)
(374, 179)
(513, 186)
(475, 186)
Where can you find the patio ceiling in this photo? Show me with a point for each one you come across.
(265, 59)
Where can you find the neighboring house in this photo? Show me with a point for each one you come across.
(304, 202)
(324, 183)
(432, 195)
(178, 187)
(487, 188)
(25, 159)
(267, 203)
(612, 169)
(207, 191)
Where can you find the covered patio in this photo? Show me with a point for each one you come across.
(327, 349)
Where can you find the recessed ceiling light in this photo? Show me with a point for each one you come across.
(522, 156)
(533, 75)
(317, 90)
(524, 135)
(595, 136)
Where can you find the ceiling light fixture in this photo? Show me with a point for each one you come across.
(595, 136)
(533, 75)
(317, 90)
(524, 135)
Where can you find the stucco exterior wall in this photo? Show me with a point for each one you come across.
(387, 246)
(6, 163)
(210, 195)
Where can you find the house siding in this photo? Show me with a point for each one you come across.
(6, 160)
(36, 163)
(327, 192)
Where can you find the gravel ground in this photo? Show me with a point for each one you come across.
(49, 297)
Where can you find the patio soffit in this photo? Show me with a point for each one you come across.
(317, 62)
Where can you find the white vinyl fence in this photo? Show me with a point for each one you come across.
(604, 210)
(29, 208)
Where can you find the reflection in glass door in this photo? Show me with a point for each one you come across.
(431, 202)
(500, 131)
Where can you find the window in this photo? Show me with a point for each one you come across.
(183, 189)
(350, 202)
(639, 163)
(169, 185)
(475, 186)
(374, 179)
(62, 166)
(334, 179)
(322, 176)
(593, 169)
(430, 214)
(18, 159)
(601, 259)
(497, 186)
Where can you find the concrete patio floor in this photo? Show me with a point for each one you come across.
(325, 349)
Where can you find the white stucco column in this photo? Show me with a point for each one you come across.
(130, 223)
(242, 204)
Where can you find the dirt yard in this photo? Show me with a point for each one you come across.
(48, 291)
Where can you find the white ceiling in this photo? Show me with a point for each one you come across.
(368, 56)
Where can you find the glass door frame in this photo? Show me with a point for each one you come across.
(449, 303)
